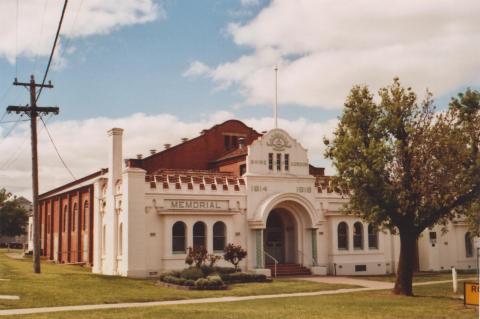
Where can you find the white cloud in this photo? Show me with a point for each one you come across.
(249, 2)
(324, 47)
(38, 20)
(83, 144)
(197, 68)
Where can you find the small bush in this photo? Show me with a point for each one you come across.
(225, 270)
(212, 259)
(211, 282)
(192, 273)
(173, 273)
(234, 254)
(241, 277)
(189, 283)
(215, 281)
(201, 283)
(196, 255)
(207, 270)
(174, 280)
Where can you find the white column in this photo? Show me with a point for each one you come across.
(97, 227)
(114, 174)
(135, 250)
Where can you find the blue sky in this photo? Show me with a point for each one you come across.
(164, 70)
(139, 68)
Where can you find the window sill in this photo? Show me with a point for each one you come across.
(179, 253)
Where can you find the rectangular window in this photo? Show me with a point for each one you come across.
(287, 161)
(360, 268)
(234, 142)
(243, 169)
(226, 142)
(270, 161)
(279, 162)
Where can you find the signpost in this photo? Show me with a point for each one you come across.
(471, 293)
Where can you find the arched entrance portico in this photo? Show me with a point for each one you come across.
(285, 229)
(280, 237)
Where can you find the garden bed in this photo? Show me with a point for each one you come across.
(208, 278)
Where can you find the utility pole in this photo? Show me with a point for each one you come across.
(33, 111)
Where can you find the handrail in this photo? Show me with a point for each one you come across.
(274, 260)
(314, 262)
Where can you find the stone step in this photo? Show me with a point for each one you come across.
(289, 269)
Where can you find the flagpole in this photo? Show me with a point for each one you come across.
(276, 99)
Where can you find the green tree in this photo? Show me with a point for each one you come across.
(405, 166)
(13, 218)
(234, 254)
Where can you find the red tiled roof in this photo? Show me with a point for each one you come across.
(238, 152)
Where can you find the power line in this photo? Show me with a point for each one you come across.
(5, 95)
(12, 128)
(67, 43)
(15, 155)
(53, 49)
(8, 122)
(3, 116)
(56, 149)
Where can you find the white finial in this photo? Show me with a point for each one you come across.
(276, 99)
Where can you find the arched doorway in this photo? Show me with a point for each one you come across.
(280, 240)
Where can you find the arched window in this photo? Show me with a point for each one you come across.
(372, 237)
(342, 234)
(65, 211)
(357, 235)
(120, 239)
(199, 238)
(178, 237)
(219, 236)
(74, 216)
(84, 217)
(468, 245)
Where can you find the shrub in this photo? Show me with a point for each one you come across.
(225, 270)
(197, 256)
(234, 254)
(192, 273)
(189, 283)
(215, 281)
(207, 270)
(240, 277)
(173, 273)
(201, 283)
(173, 280)
(189, 260)
(212, 259)
(211, 282)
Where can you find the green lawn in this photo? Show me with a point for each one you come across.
(60, 285)
(433, 301)
(423, 276)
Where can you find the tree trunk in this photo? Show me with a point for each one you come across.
(406, 264)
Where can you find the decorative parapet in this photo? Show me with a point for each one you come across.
(195, 182)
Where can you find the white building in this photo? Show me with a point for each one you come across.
(263, 196)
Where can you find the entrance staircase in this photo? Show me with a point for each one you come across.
(290, 269)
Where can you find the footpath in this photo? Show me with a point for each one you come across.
(365, 285)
